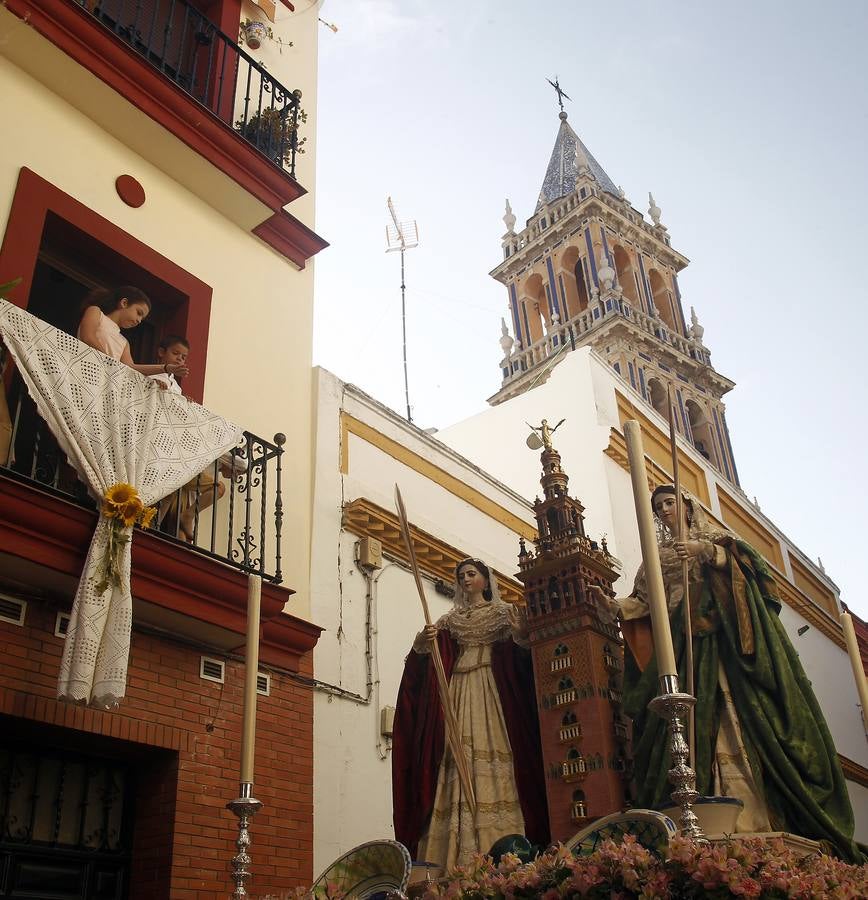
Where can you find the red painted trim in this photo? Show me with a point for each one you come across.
(226, 16)
(285, 639)
(290, 238)
(82, 38)
(35, 197)
(55, 534)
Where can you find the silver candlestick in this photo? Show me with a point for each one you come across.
(673, 706)
(245, 807)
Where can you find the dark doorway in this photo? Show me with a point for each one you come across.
(66, 825)
(83, 816)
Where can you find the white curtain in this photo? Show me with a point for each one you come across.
(114, 425)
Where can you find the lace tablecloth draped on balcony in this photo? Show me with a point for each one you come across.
(114, 425)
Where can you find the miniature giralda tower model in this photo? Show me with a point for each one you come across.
(576, 658)
(589, 270)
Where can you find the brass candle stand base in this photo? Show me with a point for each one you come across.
(245, 807)
(674, 707)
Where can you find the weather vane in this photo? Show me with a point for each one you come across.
(560, 92)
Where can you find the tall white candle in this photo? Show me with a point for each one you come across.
(251, 670)
(661, 632)
(856, 663)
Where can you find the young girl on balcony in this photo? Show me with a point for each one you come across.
(108, 312)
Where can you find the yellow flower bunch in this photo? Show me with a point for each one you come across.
(122, 502)
(123, 507)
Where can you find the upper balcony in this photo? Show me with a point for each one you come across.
(175, 62)
(189, 571)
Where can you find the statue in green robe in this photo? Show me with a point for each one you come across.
(760, 733)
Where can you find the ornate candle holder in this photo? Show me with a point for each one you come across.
(245, 807)
(674, 707)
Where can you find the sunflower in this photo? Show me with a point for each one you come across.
(120, 494)
(148, 514)
(131, 511)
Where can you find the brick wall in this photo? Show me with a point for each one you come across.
(182, 734)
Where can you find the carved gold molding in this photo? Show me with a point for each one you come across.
(854, 771)
(435, 557)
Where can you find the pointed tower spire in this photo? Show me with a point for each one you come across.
(568, 158)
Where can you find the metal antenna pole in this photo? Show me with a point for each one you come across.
(402, 236)
(404, 329)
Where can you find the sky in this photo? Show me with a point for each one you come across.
(747, 120)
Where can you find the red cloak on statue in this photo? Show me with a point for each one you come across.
(419, 738)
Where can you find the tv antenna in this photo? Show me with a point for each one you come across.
(401, 236)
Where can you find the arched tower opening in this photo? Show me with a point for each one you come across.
(626, 275)
(663, 300)
(700, 428)
(657, 396)
(578, 294)
(536, 307)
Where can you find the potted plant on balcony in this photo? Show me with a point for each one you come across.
(253, 33)
(274, 133)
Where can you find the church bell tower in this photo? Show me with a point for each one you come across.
(576, 659)
(589, 270)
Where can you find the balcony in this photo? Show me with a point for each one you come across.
(188, 49)
(574, 769)
(570, 732)
(566, 696)
(578, 811)
(193, 583)
(166, 61)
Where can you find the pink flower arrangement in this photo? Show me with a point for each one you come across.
(748, 868)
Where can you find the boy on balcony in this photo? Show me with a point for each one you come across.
(174, 349)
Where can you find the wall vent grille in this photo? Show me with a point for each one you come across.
(212, 669)
(12, 609)
(61, 625)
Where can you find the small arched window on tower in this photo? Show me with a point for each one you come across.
(554, 521)
(579, 810)
(565, 683)
(554, 595)
(700, 431)
(569, 718)
(561, 658)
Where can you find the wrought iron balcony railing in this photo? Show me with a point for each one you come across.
(236, 519)
(188, 48)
